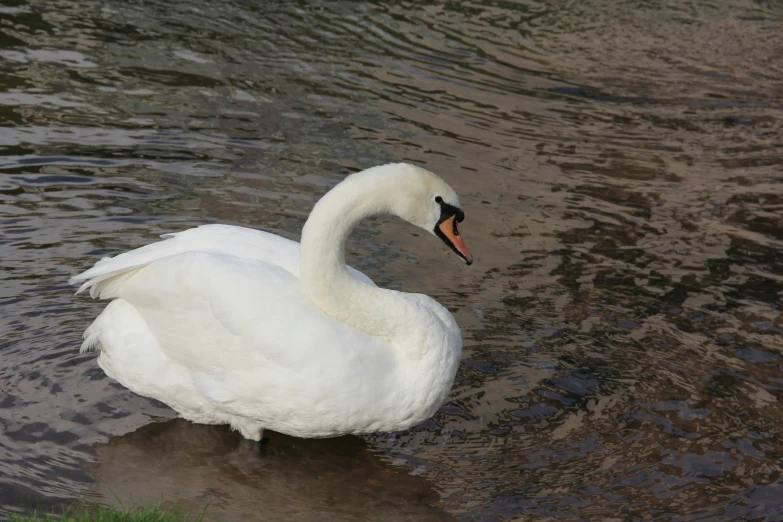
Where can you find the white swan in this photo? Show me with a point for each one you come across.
(229, 325)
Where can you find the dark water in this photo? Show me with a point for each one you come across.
(621, 169)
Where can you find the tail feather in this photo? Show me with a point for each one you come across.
(91, 340)
(106, 278)
(109, 274)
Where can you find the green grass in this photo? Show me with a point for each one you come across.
(92, 513)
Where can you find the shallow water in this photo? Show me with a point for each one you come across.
(620, 165)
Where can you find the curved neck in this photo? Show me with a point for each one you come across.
(326, 282)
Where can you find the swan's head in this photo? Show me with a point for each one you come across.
(423, 199)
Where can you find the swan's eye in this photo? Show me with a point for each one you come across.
(447, 211)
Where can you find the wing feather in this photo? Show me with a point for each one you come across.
(235, 323)
(104, 279)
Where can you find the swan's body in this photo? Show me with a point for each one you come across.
(232, 325)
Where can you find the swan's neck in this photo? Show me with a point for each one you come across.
(325, 279)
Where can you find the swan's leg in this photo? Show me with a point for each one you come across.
(249, 448)
(249, 429)
(260, 439)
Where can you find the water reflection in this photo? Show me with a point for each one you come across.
(619, 164)
(210, 467)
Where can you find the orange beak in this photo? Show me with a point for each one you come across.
(449, 233)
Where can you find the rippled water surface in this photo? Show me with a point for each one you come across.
(621, 169)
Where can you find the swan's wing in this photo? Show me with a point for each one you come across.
(245, 243)
(242, 327)
(248, 243)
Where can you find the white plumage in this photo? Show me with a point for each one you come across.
(229, 325)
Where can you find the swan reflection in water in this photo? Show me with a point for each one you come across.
(196, 466)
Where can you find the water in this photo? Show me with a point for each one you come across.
(620, 166)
